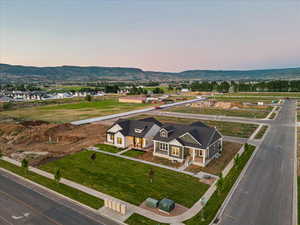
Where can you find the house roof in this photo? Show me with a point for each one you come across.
(197, 135)
(136, 128)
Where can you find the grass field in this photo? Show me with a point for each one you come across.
(216, 166)
(216, 200)
(70, 192)
(226, 128)
(136, 219)
(220, 112)
(128, 180)
(74, 111)
(261, 132)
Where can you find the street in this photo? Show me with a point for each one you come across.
(265, 194)
(21, 205)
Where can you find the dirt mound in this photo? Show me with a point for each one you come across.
(56, 139)
(33, 123)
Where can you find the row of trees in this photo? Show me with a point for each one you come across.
(232, 86)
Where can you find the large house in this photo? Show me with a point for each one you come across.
(137, 134)
(195, 143)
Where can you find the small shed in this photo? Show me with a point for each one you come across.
(166, 205)
(151, 202)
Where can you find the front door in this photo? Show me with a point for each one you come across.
(137, 142)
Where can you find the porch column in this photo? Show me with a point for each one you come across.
(194, 150)
(204, 156)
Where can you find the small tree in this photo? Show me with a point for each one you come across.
(57, 176)
(88, 98)
(220, 184)
(247, 146)
(93, 156)
(24, 165)
(1, 154)
(151, 175)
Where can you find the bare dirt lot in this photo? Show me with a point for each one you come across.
(31, 139)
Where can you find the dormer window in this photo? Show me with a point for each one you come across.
(163, 133)
(136, 130)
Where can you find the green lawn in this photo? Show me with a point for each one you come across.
(136, 219)
(128, 180)
(133, 153)
(226, 128)
(220, 112)
(216, 200)
(62, 113)
(70, 192)
(261, 132)
(108, 148)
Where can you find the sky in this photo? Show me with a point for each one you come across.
(157, 35)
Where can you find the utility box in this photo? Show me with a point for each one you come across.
(166, 205)
(151, 202)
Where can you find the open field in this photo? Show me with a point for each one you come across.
(216, 200)
(63, 189)
(250, 99)
(216, 166)
(226, 128)
(128, 180)
(220, 112)
(276, 94)
(261, 132)
(63, 113)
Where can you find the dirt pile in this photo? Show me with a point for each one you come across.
(55, 139)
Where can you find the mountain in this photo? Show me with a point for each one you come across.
(97, 73)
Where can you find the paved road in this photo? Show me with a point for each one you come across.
(133, 112)
(209, 117)
(21, 205)
(265, 194)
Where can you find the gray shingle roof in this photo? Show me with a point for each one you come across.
(129, 127)
(203, 134)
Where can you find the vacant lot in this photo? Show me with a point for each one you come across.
(75, 111)
(250, 99)
(128, 180)
(217, 165)
(220, 112)
(226, 128)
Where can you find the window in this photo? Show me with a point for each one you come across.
(163, 133)
(163, 146)
(175, 151)
(119, 140)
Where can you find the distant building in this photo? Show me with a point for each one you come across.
(133, 99)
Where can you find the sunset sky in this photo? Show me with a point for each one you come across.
(165, 35)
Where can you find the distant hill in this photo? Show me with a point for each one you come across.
(96, 73)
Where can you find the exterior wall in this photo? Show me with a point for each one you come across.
(124, 144)
(214, 148)
(108, 139)
(167, 154)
